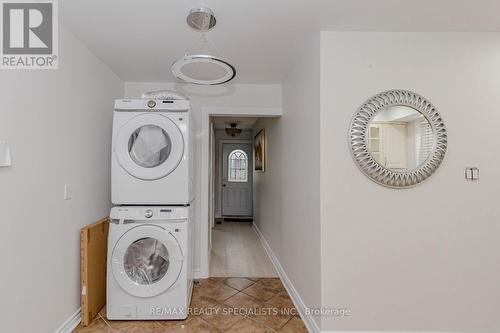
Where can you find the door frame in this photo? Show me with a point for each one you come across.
(204, 225)
(221, 161)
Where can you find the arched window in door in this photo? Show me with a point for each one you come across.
(238, 166)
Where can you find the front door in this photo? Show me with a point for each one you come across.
(237, 172)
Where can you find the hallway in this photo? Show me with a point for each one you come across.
(237, 252)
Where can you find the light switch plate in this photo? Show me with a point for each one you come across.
(5, 158)
(68, 192)
(472, 173)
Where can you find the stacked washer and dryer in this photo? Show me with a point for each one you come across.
(150, 246)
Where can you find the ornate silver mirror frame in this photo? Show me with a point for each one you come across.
(358, 139)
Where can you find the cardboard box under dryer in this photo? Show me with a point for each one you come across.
(93, 258)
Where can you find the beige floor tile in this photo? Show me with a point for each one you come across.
(295, 325)
(253, 279)
(97, 326)
(196, 325)
(238, 283)
(271, 317)
(174, 323)
(200, 302)
(217, 291)
(222, 318)
(122, 324)
(272, 283)
(248, 325)
(243, 301)
(238, 312)
(142, 327)
(203, 283)
(260, 292)
(283, 302)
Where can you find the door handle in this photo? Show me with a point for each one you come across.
(223, 185)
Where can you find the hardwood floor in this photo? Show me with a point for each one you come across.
(221, 305)
(237, 251)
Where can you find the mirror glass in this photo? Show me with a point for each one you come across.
(400, 138)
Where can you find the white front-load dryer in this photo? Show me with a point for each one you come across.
(149, 273)
(151, 160)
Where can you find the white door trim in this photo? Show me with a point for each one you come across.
(206, 113)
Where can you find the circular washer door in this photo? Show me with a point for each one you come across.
(149, 146)
(146, 261)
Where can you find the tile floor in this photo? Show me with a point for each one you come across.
(247, 305)
(237, 251)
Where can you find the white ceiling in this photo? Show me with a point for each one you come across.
(242, 122)
(139, 40)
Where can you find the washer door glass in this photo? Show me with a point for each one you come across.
(146, 261)
(149, 146)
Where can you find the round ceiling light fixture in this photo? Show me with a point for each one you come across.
(215, 70)
(202, 67)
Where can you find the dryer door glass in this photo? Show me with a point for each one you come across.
(149, 146)
(146, 261)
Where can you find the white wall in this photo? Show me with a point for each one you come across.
(286, 195)
(425, 258)
(58, 123)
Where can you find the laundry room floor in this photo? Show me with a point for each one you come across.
(237, 251)
(221, 305)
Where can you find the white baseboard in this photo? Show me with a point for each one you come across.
(384, 332)
(71, 323)
(311, 325)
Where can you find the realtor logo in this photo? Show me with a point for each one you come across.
(29, 35)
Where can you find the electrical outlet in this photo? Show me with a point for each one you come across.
(68, 192)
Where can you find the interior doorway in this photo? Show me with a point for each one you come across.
(232, 169)
(236, 250)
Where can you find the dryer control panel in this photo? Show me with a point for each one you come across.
(149, 213)
(153, 105)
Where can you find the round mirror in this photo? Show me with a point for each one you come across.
(400, 138)
(397, 138)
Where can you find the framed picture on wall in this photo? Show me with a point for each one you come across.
(259, 143)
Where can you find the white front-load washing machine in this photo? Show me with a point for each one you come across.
(149, 273)
(151, 160)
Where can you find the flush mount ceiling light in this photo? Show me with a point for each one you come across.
(233, 130)
(203, 66)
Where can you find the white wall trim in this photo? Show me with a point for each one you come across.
(71, 323)
(197, 274)
(294, 295)
(385, 332)
(206, 113)
(243, 111)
